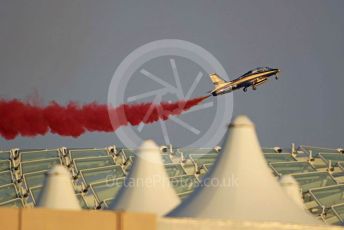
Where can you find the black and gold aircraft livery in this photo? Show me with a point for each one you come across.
(252, 78)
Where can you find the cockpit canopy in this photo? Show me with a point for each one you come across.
(257, 70)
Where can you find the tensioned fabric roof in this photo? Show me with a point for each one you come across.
(58, 192)
(147, 188)
(247, 189)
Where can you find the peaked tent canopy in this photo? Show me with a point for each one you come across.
(147, 188)
(58, 192)
(240, 186)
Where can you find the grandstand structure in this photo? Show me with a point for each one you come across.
(95, 179)
(99, 173)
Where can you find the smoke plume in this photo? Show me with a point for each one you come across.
(27, 119)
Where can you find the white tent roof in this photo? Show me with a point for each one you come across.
(240, 186)
(58, 192)
(147, 187)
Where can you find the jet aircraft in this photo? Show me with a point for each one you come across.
(252, 78)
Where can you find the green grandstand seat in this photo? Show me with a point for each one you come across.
(328, 196)
(38, 154)
(184, 184)
(317, 150)
(190, 168)
(278, 157)
(341, 165)
(34, 193)
(5, 165)
(128, 163)
(5, 155)
(311, 180)
(268, 150)
(128, 153)
(174, 170)
(282, 168)
(166, 159)
(338, 210)
(8, 192)
(34, 179)
(39, 165)
(119, 158)
(330, 218)
(92, 162)
(201, 159)
(82, 153)
(15, 203)
(188, 151)
(108, 202)
(91, 176)
(107, 189)
(82, 201)
(273, 150)
(333, 157)
(126, 157)
(207, 167)
(203, 169)
(5, 178)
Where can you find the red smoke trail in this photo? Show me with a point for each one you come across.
(25, 119)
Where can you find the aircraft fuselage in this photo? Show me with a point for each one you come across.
(252, 79)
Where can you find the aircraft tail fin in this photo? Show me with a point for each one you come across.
(216, 79)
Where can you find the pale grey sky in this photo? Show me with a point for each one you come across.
(69, 50)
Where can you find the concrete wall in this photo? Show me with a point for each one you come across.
(46, 219)
(43, 219)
